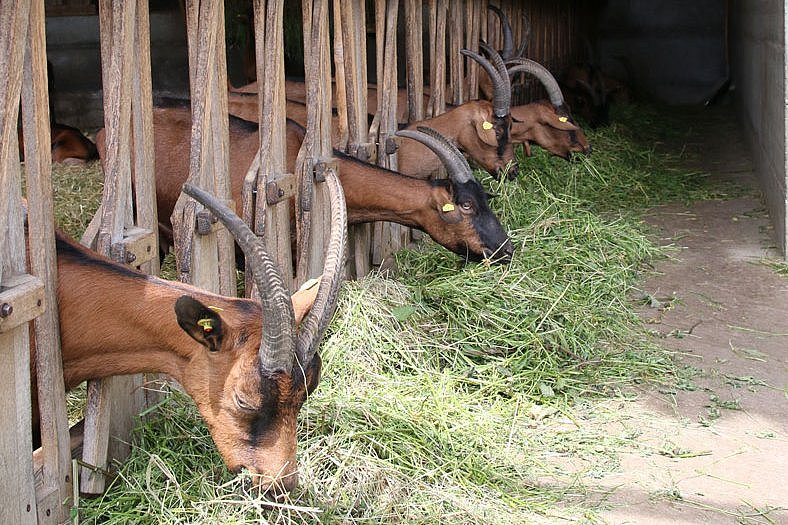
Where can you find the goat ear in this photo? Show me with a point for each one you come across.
(486, 132)
(203, 324)
(561, 123)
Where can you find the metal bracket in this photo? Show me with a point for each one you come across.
(322, 167)
(392, 145)
(206, 223)
(137, 247)
(281, 188)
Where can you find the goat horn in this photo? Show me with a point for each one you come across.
(278, 342)
(314, 324)
(456, 164)
(525, 65)
(508, 40)
(502, 97)
(593, 93)
(502, 88)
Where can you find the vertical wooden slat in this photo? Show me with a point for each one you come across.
(414, 54)
(18, 493)
(52, 491)
(116, 25)
(316, 153)
(438, 10)
(456, 32)
(272, 221)
(351, 103)
(207, 261)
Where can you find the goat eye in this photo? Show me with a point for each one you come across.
(244, 405)
(466, 206)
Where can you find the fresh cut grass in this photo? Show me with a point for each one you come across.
(459, 393)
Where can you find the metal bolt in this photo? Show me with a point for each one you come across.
(6, 310)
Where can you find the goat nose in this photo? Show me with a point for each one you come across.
(513, 171)
(588, 150)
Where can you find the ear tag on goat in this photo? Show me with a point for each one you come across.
(562, 119)
(487, 125)
(448, 207)
(216, 309)
(207, 325)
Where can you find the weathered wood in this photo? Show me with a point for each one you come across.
(351, 89)
(312, 208)
(116, 26)
(414, 64)
(272, 221)
(53, 484)
(201, 259)
(438, 10)
(456, 30)
(21, 301)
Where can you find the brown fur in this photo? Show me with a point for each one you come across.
(539, 123)
(116, 321)
(461, 124)
(371, 193)
(69, 145)
(464, 125)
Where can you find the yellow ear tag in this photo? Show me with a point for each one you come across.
(207, 325)
(448, 207)
(562, 119)
(487, 125)
(216, 309)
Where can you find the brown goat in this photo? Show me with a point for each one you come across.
(69, 145)
(466, 226)
(235, 357)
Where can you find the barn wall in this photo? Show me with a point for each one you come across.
(758, 67)
(671, 50)
(73, 49)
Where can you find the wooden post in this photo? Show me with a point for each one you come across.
(52, 463)
(414, 64)
(113, 404)
(389, 237)
(350, 58)
(315, 160)
(206, 259)
(275, 187)
(18, 492)
(437, 56)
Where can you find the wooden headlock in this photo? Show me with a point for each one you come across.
(125, 226)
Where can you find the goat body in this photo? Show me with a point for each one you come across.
(115, 320)
(467, 227)
(69, 145)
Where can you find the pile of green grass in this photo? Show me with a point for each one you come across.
(458, 393)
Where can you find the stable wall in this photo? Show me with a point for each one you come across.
(758, 69)
(669, 50)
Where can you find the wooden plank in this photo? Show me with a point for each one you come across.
(202, 260)
(116, 26)
(21, 301)
(18, 492)
(456, 31)
(273, 220)
(312, 207)
(414, 64)
(53, 492)
(13, 33)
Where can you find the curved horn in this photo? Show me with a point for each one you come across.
(314, 324)
(525, 65)
(278, 341)
(456, 164)
(508, 40)
(502, 89)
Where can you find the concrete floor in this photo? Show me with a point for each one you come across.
(726, 313)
